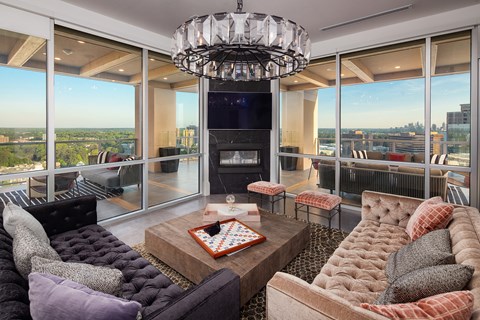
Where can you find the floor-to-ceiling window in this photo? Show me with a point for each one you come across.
(23, 114)
(98, 112)
(173, 130)
(98, 124)
(307, 126)
(450, 111)
(383, 98)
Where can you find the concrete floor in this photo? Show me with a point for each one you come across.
(131, 230)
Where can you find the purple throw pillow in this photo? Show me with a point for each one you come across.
(52, 298)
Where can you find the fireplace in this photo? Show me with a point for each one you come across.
(237, 158)
(240, 158)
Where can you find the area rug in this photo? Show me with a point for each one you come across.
(306, 265)
(20, 197)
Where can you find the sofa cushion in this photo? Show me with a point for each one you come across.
(97, 278)
(438, 158)
(375, 155)
(432, 249)
(432, 214)
(26, 245)
(53, 297)
(456, 305)
(433, 172)
(114, 158)
(14, 215)
(104, 177)
(356, 270)
(426, 282)
(372, 166)
(142, 282)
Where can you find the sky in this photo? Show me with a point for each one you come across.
(88, 103)
(393, 103)
(79, 102)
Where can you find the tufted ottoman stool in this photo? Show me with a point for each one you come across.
(320, 200)
(274, 192)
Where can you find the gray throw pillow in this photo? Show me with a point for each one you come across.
(26, 245)
(426, 282)
(432, 249)
(97, 278)
(14, 215)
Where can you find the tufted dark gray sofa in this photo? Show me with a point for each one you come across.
(72, 227)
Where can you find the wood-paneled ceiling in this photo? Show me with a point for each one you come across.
(83, 55)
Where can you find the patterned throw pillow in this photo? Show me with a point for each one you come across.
(129, 158)
(431, 214)
(426, 282)
(438, 158)
(53, 298)
(359, 154)
(102, 157)
(97, 278)
(14, 215)
(432, 249)
(27, 245)
(451, 305)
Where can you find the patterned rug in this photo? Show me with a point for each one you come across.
(306, 265)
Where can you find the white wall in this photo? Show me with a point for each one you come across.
(451, 20)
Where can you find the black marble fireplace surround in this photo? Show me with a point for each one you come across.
(234, 179)
(236, 175)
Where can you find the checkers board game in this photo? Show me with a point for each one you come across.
(233, 236)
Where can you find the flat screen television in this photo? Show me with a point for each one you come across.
(239, 110)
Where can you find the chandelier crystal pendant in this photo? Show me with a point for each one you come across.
(240, 46)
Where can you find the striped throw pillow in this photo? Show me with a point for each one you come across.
(450, 305)
(129, 158)
(438, 158)
(102, 157)
(359, 154)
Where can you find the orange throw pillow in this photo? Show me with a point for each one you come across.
(431, 214)
(451, 305)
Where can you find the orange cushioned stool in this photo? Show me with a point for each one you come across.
(320, 200)
(274, 192)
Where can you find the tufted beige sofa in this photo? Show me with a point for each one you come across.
(355, 272)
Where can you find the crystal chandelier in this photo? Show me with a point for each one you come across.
(240, 46)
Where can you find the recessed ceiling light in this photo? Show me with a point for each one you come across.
(121, 70)
(397, 67)
(80, 41)
(44, 53)
(58, 59)
(151, 59)
(329, 69)
(165, 78)
(342, 74)
(295, 81)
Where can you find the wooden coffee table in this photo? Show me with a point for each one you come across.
(286, 238)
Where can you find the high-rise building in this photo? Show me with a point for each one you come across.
(458, 126)
(4, 139)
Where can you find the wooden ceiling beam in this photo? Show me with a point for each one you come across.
(159, 72)
(106, 62)
(313, 78)
(434, 55)
(302, 87)
(23, 50)
(159, 85)
(359, 69)
(283, 87)
(184, 84)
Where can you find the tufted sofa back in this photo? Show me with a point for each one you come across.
(64, 215)
(388, 208)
